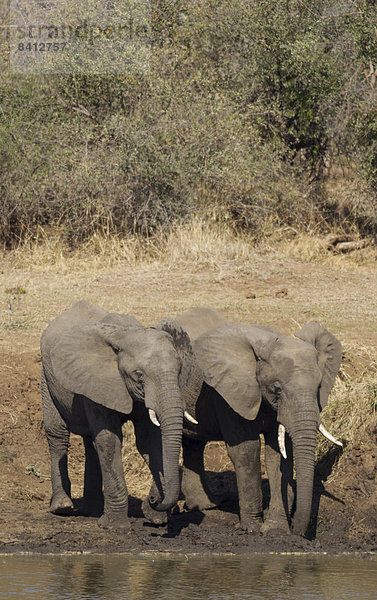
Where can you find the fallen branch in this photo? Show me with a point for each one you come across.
(349, 246)
(345, 243)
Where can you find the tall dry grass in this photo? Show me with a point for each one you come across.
(199, 242)
(352, 408)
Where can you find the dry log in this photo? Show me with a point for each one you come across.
(349, 246)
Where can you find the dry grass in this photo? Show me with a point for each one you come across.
(352, 406)
(313, 248)
(199, 243)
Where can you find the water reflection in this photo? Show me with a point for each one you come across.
(267, 577)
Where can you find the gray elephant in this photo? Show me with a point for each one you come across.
(259, 381)
(98, 370)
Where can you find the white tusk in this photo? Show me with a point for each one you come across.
(190, 418)
(281, 440)
(328, 435)
(153, 417)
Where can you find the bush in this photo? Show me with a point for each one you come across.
(243, 105)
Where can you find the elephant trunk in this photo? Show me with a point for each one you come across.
(170, 415)
(304, 443)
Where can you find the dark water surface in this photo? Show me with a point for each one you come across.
(146, 577)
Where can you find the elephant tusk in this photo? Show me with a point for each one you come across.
(153, 417)
(281, 440)
(190, 418)
(328, 435)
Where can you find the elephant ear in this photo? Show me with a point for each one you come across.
(329, 356)
(84, 360)
(228, 356)
(80, 314)
(190, 376)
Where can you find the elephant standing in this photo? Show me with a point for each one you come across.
(98, 370)
(256, 379)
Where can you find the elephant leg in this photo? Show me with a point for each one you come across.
(107, 435)
(243, 444)
(148, 443)
(93, 496)
(57, 434)
(193, 476)
(245, 457)
(280, 476)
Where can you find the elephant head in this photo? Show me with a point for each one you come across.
(248, 365)
(114, 360)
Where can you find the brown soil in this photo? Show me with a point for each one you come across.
(345, 499)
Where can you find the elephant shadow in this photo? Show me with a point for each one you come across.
(324, 468)
(134, 508)
(221, 488)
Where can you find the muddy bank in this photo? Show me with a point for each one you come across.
(27, 526)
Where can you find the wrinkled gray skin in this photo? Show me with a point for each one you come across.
(255, 379)
(98, 370)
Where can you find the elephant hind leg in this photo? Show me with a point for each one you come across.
(57, 435)
(93, 495)
(193, 475)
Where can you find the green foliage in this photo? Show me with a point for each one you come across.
(363, 119)
(242, 105)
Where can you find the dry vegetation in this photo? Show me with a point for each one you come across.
(245, 109)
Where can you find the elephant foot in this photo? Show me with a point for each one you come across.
(198, 500)
(196, 504)
(196, 497)
(250, 525)
(275, 526)
(154, 516)
(61, 504)
(115, 520)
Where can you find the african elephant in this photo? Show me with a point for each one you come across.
(258, 381)
(98, 370)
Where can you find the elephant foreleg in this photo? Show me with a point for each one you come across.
(245, 457)
(58, 440)
(107, 438)
(93, 496)
(280, 476)
(193, 476)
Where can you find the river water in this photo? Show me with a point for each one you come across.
(179, 577)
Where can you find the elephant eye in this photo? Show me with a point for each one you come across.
(138, 375)
(275, 388)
